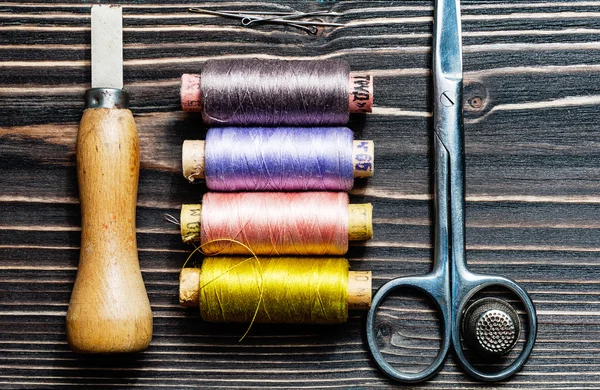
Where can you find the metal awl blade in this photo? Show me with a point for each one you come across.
(107, 46)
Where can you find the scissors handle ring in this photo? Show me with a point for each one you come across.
(482, 282)
(426, 284)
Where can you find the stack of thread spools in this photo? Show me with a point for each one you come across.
(278, 212)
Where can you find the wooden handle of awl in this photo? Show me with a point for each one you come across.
(109, 309)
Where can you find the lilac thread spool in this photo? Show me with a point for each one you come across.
(278, 159)
(276, 92)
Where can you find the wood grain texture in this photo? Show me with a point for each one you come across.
(533, 174)
(109, 310)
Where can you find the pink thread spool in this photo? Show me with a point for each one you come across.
(276, 223)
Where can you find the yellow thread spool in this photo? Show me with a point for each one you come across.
(284, 289)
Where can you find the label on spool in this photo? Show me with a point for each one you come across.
(191, 95)
(360, 222)
(191, 219)
(361, 93)
(359, 290)
(192, 159)
(363, 158)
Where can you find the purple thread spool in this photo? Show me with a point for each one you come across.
(278, 159)
(276, 92)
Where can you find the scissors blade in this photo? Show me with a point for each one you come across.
(449, 139)
(448, 127)
(447, 48)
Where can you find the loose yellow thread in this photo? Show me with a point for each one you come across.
(202, 286)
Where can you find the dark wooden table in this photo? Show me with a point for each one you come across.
(533, 181)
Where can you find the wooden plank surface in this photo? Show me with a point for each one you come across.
(533, 181)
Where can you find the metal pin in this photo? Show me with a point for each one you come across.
(282, 13)
(217, 13)
(247, 18)
(306, 23)
(312, 30)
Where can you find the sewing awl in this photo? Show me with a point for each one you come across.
(109, 309)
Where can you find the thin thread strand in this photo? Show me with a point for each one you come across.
(281, 159)
(171, 219)
(253, 257)
(275, 92)
(273, 224)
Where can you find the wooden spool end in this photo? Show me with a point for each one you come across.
(360, 98)
(193, 152)
(190, 219)
(363, 158)
(190, 93)
(192, 159)
(360, 93)
(189, 287)
(360, 222)
(359, 288)
(360, 284)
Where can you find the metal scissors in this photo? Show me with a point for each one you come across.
(450, 284)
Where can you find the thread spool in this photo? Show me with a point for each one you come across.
(276, 223)
(294, 290)
(282, 159)
(276, 92)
